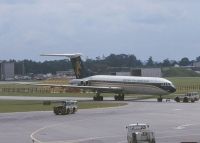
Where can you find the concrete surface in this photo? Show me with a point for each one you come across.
(172, 123)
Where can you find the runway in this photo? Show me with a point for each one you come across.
(172, 123)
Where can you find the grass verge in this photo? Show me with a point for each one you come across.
(26, 106)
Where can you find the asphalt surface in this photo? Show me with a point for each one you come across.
(172, 123)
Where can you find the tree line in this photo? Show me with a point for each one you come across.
(98, 65)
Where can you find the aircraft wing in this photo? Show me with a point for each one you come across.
(93, 88)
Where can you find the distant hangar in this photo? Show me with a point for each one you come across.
(7, 70)
(144, 72)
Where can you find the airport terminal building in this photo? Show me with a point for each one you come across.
(7, 70)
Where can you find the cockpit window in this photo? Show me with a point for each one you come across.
(165, 84)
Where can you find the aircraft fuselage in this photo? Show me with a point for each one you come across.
(129, 84)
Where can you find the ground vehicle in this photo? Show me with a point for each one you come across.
(66, 107)
(188, 97)
(139, 133)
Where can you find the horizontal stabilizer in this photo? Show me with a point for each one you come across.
(64, 55)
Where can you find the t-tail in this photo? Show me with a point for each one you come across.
(77, 64)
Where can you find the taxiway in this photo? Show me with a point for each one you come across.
(172, 123)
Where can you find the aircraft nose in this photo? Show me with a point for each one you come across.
(172, 89)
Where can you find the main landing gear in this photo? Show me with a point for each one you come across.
(98, 97)
(159, 99)
(119, 97)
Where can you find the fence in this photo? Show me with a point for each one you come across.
(187, 88)
(41, 90)
(38, 90)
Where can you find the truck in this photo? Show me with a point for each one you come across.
(188, 97)
(66, 107)
(140, 133)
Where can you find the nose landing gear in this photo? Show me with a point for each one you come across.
(159, 99)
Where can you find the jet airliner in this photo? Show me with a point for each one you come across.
(120, 85)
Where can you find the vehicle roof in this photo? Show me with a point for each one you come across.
(138, 124)
(70, 101)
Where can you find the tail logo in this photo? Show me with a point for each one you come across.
(78, 69)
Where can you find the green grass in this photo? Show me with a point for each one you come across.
(25, 106)
(186, 84)
(185, 80)
(179, 72)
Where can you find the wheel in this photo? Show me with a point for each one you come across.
(63, 111)
(177, 99)
(122, 97)
(95, 98)
(159, 99)
(68, 111)
(192, 100)
(115, 97)
(185, 99)
(55, 110)
(74, 110)
(119, 97)
(98, 98)
(153, 141)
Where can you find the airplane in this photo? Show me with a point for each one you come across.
(120, 85)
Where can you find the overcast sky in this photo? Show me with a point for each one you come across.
(158, 28)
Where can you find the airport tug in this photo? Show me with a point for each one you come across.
(139, 133)
(66, 107)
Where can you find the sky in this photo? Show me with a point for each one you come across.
(158, 28)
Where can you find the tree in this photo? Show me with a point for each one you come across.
(198, 59)
(166, 63)
(150, 62)
(184, 62)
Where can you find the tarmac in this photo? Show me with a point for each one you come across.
(172, 123)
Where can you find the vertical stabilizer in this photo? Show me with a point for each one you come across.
(78, 67)
(77, 64)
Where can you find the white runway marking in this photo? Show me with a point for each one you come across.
(183, 126)
(35, 140)
(85, 139)
(177, 109)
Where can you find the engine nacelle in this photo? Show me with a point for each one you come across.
(85, 83)
(79, 82)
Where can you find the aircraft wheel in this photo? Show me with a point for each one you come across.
(119, 97)
(95, 98)
(159, 99)
(98, 98)
(177, 99)
(116, 98)
(122, 97)
(185, 99)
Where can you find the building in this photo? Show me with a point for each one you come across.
(7, 70)
(123, 73)
(147, 72)
(196, 64)
(144, 72)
